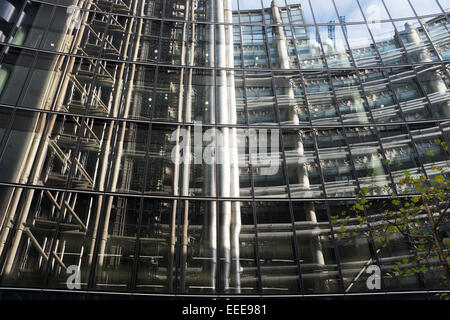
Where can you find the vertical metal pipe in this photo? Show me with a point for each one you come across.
(236, 207)
(187, 161)
(209, 176)
(223, 147)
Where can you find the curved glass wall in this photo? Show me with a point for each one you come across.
(202, 146)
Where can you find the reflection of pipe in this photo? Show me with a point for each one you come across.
(302, 173)
(412, 36)
(432, 77)
(314, 49)
(281, 37)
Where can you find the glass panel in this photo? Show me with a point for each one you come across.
(423, 8)
(418, 48)
(260, 98)
(160, 167)
(373, 10)
(249, 5)
(304, 11)
(198, 263)
(336, 163)
(237, 46)
(431, 154)
(350, 101)
(279, 270)
(240, 98)
(175, 35)
(320, 99)
(17, 144)
(316, 248)
(168, 94)
(445, 4)
(254, 46)
(63, 145)
(407, 90)
(390, 50)
(130, 158)
(236, 240)
(247, 250)
(75, 244)
(116, 252)
(15, 66)
(153, 8)
(290, 99)
(267, 165)
(308, 47)
(324, 11)
(199, 172)
(348, 10)
(381, 99)
(399, 152)
(353, 262)
(157, 247)
(396, 253)
(100, 96)
(303, 171)
(149, 41)
(399, 8)
(369, 163)
(433, 82)
(437, 30)
(282, 51)
(334, 46)
(362, 47)
(29, 253)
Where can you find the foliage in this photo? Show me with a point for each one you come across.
(418, 213)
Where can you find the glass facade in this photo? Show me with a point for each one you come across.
(202, 146)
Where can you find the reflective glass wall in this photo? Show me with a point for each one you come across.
(203, 146)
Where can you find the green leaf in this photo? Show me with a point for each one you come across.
(439, 179)
(430, 153)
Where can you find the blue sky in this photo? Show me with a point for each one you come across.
(324, 10)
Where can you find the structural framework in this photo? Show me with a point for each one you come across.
(202, 146)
